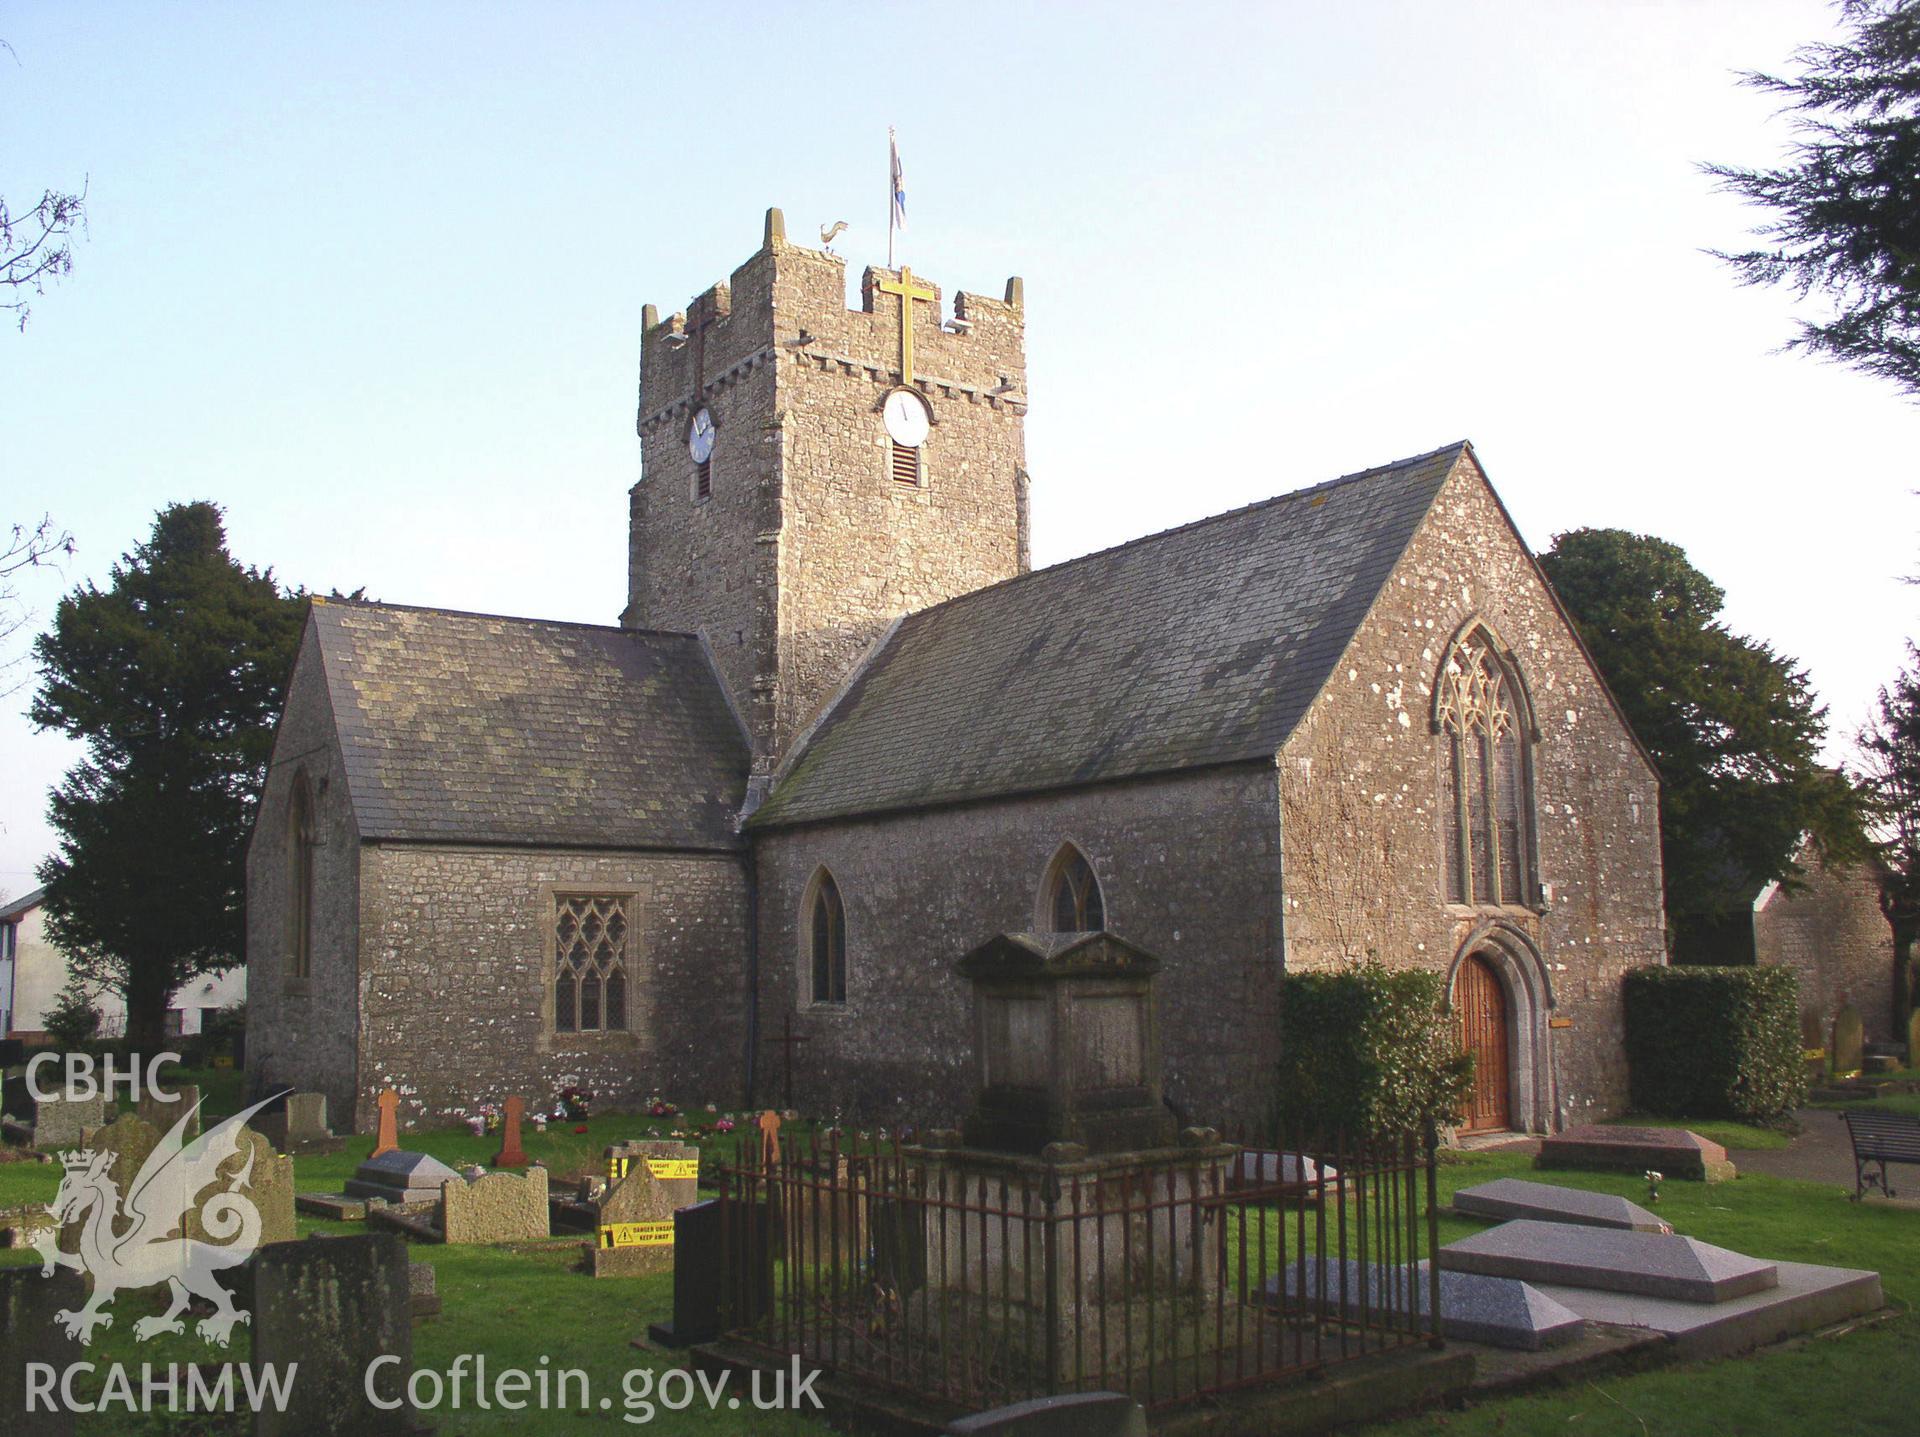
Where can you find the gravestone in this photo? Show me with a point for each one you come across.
(54, 1123)
(333, 1305)
(186, 1103)
(423, 1291)
(387, 1138)
(1512, 1197)
(1647, 1264)
(636, 1231)
(1849, 1042)
(1672, 1152)
(1078, 1414)
(269, 1186)
(298, 1124)
(131, 1139)
(1813, 1045)
(511, 1154)
(29, 1333)
(1474, 1307)
(499, 1207)
(397, 1176)
(697, 1275)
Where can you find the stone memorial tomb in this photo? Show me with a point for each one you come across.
(333, 1305)
(1672, 1152)
(635, 1230)
(1649, 1264)
(1507, 1198)
(1067, 1045)
(1078, 1414)
(54, 1123)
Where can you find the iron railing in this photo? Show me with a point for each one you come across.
(986, 1279)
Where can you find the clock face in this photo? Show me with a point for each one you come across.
(907, 418)
(700, 437)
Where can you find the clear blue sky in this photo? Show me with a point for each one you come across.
(371, 277)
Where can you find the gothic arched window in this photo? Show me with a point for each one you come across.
(1481, 712)
(300, 837)
(590, 935)
(1074, 904)
(827, 941)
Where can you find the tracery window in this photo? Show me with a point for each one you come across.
(1074, 902)
(590, 933)
(300, 842)
(827, 942)
(1481, 711)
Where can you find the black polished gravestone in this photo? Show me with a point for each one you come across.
(721, 1279)
(29, 1334)
(334, 1305)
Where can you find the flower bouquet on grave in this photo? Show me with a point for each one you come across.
(477, 1125)
(576, 1104)
(1653, 1185)
(660, 1108)
(724, 1125)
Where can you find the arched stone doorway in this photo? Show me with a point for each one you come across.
(1480, 1010)
(1501, 995)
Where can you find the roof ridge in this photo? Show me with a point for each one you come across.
(330, 602)
(24, 902)
(1271, 500)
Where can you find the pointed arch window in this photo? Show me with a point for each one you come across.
(300, 845)
(1074, 903)
(827, 941)
(1480, 709)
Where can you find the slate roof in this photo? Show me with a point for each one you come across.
(1198, 646)
(471, 728)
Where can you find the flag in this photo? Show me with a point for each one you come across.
(897, 216)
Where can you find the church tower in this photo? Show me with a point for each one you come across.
(809, 473)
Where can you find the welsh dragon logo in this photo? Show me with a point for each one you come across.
(141, 1238)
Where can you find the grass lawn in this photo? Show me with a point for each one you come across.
(516, 1306)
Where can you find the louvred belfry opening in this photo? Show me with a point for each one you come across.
(906, 464)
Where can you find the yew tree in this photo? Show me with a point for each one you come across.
(172, 676)
(1733, 727)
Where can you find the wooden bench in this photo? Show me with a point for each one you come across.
(1879, 1139)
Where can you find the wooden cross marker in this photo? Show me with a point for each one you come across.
(769, 1137)
(904, 287)
(787, 1041)
(388, 1138)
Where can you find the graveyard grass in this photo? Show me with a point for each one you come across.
(516, 1304)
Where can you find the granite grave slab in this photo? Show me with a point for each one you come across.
(401, 1177)
(1474, 1307)
(1672, 1152)
(1645, 1263)
(1507, 1198)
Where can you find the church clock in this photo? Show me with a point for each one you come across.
(907, 418)
(700, 437)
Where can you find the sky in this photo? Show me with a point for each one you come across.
(370, 277)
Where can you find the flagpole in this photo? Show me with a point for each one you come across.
(892, 145)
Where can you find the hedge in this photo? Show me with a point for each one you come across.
(1367, 1050)
(1715, 1042)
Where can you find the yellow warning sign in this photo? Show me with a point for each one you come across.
(637, 1234)
(674, 1167)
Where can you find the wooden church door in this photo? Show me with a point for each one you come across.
(1480, 1005)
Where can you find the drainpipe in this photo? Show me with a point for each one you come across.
(750, 864)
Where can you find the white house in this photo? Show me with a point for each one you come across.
(33, 971)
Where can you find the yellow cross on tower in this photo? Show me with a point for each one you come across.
(904, 287)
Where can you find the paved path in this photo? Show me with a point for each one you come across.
(1822, 1154)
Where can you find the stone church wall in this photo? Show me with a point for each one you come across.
(1187, 870)
(1831, 932)
(303, 1033)
(456, 978)
(1362, 783)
